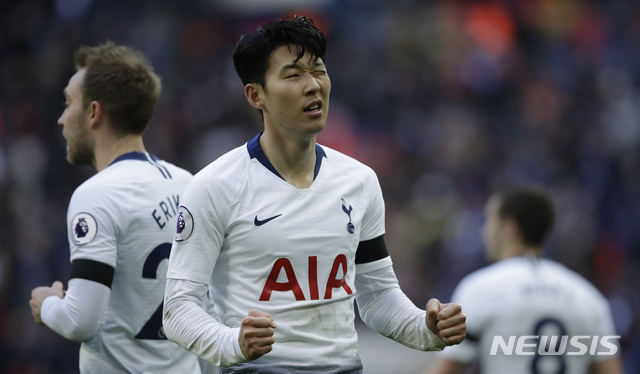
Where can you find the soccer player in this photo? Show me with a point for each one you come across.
(121, 221)
(524, 295)
(287, 233)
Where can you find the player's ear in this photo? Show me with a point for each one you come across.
(511, 228)
(96, 114)
(255, 95)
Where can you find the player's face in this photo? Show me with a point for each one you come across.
(75, 122)
(296, 93)
(492, 228)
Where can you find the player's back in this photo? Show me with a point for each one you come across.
(130, 209)
(529, 302)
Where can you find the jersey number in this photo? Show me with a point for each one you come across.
(560, 365)
(152, 330)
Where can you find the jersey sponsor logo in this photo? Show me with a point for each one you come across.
(258, 222)
(184, 224)
(350, 228)
(84, 228)
(554, 345)
(291, 283)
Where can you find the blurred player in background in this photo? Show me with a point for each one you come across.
(288, 233)
(120, 222)
(522, 294)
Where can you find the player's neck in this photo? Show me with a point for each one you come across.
(111, 147)
(522, 251)
(294, 159)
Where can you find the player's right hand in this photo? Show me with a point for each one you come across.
(446, 321)
(256, 334)
(38, 295)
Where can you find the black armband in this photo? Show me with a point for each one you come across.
(92, 270)
(371, 250)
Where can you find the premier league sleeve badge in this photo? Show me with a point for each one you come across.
(184, 225)
(84, 228)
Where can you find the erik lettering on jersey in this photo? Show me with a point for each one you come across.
(167, 210)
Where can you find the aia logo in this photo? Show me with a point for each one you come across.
(292, 284)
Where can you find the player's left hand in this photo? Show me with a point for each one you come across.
(446, 321)
(38, 295)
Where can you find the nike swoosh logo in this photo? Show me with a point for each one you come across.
(258, 222)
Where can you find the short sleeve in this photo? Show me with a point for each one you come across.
(93, 220)
(199, 234)
(373, 224)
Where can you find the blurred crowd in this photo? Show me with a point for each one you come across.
(446, 100)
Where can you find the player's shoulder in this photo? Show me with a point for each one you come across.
(175, 170)
(102, 192)
(486, 283)
(221, 177)
(123, 178)
(345, 163)
(494, 278)
(123, 174)
(571, 278)
(585, 293)
(518, 267)
(225, 168)
(493, 273)
(501, 275)
(100, 182)
(333, 155)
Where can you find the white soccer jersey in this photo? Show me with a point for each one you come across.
(262, 243)
(124, 217)
(525, 302)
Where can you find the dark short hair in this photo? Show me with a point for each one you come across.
(252, 53)
(122, 80)
(533, 210)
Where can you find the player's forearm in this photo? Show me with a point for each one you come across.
(77, 315)
(387, 310)
(187, 324)
(395, 316)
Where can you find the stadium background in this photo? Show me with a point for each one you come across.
(443, 99)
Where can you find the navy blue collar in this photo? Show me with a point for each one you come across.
(255, 151)
(141, 156)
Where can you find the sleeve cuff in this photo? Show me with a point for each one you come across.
(47, 305)
(235, 331)
(434, 341)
